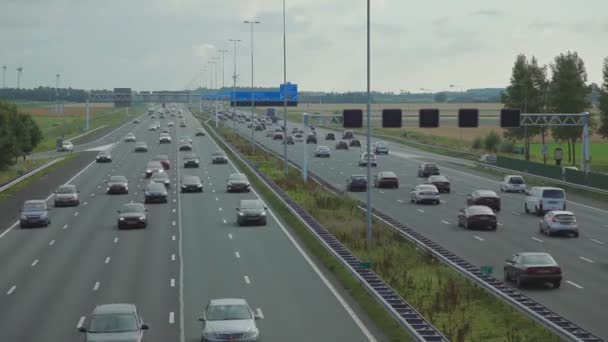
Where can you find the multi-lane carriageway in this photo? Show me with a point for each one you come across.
(584, 260)
(192, 251)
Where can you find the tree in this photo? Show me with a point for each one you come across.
(19, 134)
(492, 141)
(568, 94)
(441, 97)
(603, 129)
(526, 91)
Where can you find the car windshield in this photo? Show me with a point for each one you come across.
(537, 259)
(117, 179)
(238, 177)
(516, 180)
(426, 188)
(191, 180)
(67, 189)
(358, 178)
(430, 166)
(251, 205)
(553, 193)
(438, 179)
(228, 312)
(33, 207)
(132, 208)
(113, 323)
(218, 154)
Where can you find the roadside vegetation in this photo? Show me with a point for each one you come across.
(19, 134)
(460, 309)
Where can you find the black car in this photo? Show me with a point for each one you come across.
(162, 178)
(356, 183)
(251, 211)
(354, 143)
(441, 182)
(132, 215)
(330, 136)
(155, 192)
(191, 184)
(484, 197)
(117, 185)
(311, 139)
(348, 134)
(104, 157)
(259, 128)
(184, 146)
(342, 145)
(238, 182)
(200, 132)
(34, 213)
(428, 169)
(190, 160)
(289, 140)
(537, 267)
(218, 158)
(477, 216)
(277, 136)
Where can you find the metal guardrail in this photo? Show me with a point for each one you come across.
(551, 320)
(416, 324)
(29, 174)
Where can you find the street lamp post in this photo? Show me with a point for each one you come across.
(251, 23)
(369, 114)
(286, 167)
(234, 86)
(223, 65)
(57, 93)
(462, 103)
(4, 76)
(216, 61)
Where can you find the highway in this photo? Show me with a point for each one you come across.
(191, 251)
(584, 260)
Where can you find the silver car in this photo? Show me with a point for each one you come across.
(322, 151)
(559, 222)
(114, 322)
(229, 319)
(66, 195)
(425, 193)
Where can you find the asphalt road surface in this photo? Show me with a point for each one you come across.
(584, 260)
(191, 251)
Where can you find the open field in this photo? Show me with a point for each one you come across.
(72, 122)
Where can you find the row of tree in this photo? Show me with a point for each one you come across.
(19, 134)
(566, 91)
(44, 94)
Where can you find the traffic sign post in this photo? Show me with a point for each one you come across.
(487, 269)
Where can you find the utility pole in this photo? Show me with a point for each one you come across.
(286, 166)
(57, 93)
(234, 86)
(19, 72)
(4, 77)
(223, 65)
(369, 125)
(252, 22)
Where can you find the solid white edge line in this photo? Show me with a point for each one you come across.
(182, 334)
(327, 283)
(587, 260)
(574, 284)
(80, 322)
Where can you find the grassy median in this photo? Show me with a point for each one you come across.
(460, 309)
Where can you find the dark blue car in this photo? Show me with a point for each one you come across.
(34, 213)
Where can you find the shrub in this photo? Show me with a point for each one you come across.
(478, 143)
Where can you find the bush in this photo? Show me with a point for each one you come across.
(507, 146)
(478, 143)
(492, 141)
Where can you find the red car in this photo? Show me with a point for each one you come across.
(164, 160)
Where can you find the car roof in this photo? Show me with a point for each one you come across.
(438, 176)
(387, 174)
(227, 301)
(240, 175)
(549, 188)
(114, 308)
(191, 177)
(155, 163)
(251, 203)
(160, 175)
(35, 202)
(486, 193)
(67, 186)
(561, 212)
(118, 177)
(358, 176)
(134, 204)
(426, 186)
(480, 208)
(161, 156)
(153, 185)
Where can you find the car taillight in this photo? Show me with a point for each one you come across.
(554, 219)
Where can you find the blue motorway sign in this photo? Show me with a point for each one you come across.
(260, 98)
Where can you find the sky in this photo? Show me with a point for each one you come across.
(166, 44)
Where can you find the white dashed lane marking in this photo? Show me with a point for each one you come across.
(259, 312)
(11, 290)
(587, 260)
(65, 227)
(52, 242)
(537, 239)
(171, 317)
(80, 322)
(172, 257)
(420, 210)
(35, 263)
(107, 260)
(172, 282)
(598, 241)
(173, 237)
(574, 284)
(237, 255)
(515, 213)
(96, 286)
(247, 280)
(115, 240)
(445, 222)
(478, 238)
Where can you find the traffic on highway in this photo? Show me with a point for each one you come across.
(546, 242)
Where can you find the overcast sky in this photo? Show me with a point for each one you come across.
(164, 44)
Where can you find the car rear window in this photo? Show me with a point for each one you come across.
(553, 193)
(33, 207)
(537, 260)
(516, 180)
(565, 217)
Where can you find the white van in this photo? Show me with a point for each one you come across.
(541, 199)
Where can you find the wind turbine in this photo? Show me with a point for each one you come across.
(19, 73)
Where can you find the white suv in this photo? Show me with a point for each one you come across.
(542, 199)
(513, 183)
(380, 147)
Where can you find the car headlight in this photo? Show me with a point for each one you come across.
(148, 171)
(263, 213)
(108, 189)
(141, 218)
(23, 217)
(121, 218)
(241, 213)
(200, 185)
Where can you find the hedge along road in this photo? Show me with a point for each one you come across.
(583, 260)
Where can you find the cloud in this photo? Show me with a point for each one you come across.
(488, 13)
(205, 50)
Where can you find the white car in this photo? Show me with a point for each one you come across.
(559, 222)
(66, 146)
(171, 124)
(164, 139)
(186, 139)
(380, 147)
(299, 137)
(229, 319)
(425, 193)
(513, 183)
(542, 199)
(130, 137)
(364, 159)
(322, 151)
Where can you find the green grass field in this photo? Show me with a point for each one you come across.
(599, 153)
(73, 122)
